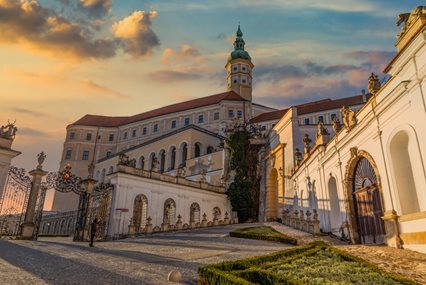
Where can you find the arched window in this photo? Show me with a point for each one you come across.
(169, 212)
(152, 161)
(140, 212)
(197, 150)
(162, 160)
(210, 149)
(216, 213)
(184, 154)
(142, 162)
(172, 158)
(194, 214)
(111, 169)
(403, 173)
(335, 219)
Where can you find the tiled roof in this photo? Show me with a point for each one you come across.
(106, 121)
(313, 107)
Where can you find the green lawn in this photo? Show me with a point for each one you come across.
(263, 233)
(315, 263)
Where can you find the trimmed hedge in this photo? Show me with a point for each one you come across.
(260, 270)
(263, 233)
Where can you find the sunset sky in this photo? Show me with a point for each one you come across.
(62, 59)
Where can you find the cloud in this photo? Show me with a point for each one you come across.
(172, 76)
(96, 8)
(185, 53)
(32, 132)
(376, 61)
(135, 34)
(41, 29)
(29, 112)
(96, 88)
(225, 37)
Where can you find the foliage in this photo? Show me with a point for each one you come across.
(263, 233)
(243, 192)
(315, 263)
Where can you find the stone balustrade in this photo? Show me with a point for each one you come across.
(302, 221)
(165, 227)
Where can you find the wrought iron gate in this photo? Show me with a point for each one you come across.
(13, 202)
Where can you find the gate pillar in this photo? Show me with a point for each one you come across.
(37, 174)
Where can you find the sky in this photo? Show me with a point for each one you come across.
(62, 59)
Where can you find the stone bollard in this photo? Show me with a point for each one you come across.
(192, 224)
(288, 220)
(174, 276)
(226, 220)
(215, 221)
(309, 224)
(296, 219)
(131, 231)
(235, 217)
(148, 225)
(164, 226)
(316, 224)
(302, 225)
(204, 221)
(179, 224)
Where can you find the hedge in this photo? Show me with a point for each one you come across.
(257, 270)
(271, 235)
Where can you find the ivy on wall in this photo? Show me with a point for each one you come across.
(243, 192)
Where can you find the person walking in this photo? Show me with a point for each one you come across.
(93, 230)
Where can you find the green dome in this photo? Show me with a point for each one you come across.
(239, 44)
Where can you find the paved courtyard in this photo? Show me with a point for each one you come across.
(131, 261)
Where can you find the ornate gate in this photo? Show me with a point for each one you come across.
(100, 208)
(367, 203)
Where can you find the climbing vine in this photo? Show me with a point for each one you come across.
(243, 192)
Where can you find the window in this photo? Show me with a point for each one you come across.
(108, 154)
(239, 114)
(200, 119)
(88, 136)
(125, 136)
(111, 137)
(235, 80)
(235, 68)
(186, 122)
(72, 135)
(155, 129)
(333, 116)
(244, 81)
(68, 154)
(244, 68)
(321, 119)
(306, 121)
(99, 137)
(85, 155)
(144, 131)
(231, 114)
(216, 116)
(133, 133)
(174, 124)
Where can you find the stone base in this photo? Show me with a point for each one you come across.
(392, 237)
(27, 231)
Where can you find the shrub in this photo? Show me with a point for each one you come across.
(263, 233)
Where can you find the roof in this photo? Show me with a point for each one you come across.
(107, 121)
(159, 138)
(313, 107)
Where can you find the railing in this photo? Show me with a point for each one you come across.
(299, 221)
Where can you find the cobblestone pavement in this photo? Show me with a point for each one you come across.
(406, 262)
(145, 260)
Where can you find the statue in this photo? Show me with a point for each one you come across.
(203, 178)
(40, 159)
(91, 169)
(298, 156)
(349, 118)
(373, 84)
(8, 131)
(336, 125)
(307, 142)
(322, 130)
(124, 160)
(155, 164)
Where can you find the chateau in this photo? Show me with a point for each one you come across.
(356, 164)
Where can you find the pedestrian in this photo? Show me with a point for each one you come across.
(93, 230)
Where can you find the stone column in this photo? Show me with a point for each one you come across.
(28, 225)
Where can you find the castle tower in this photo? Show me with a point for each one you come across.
(239, 69)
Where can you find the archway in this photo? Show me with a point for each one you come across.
(197, 150)
(183, 150)
(172, 154)
(334, 214)
(162, 160)
(142, 162)
(365, 200)
(271, 196)
(140, 212)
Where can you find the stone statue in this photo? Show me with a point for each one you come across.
(91, 169)
(203, 176)
(298, 156)
(155, 164)
(408, 19)
(40, 159)
(374, 84)
(307, 142)
(349, 118)
(124, 160)
(336, 125)
(8, 131)
(322, 130)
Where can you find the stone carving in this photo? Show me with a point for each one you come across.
(181, 172)
(402, 19)
(40, 159)
(374, 84)
(406, 20)
(307, 143)
(124, 160)
(203, 178)
(8, 131)
(322, 130)
(155, 164)
(298, 156)
(349, 118)
(323, 136)
(91, 169)
(337, 126)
